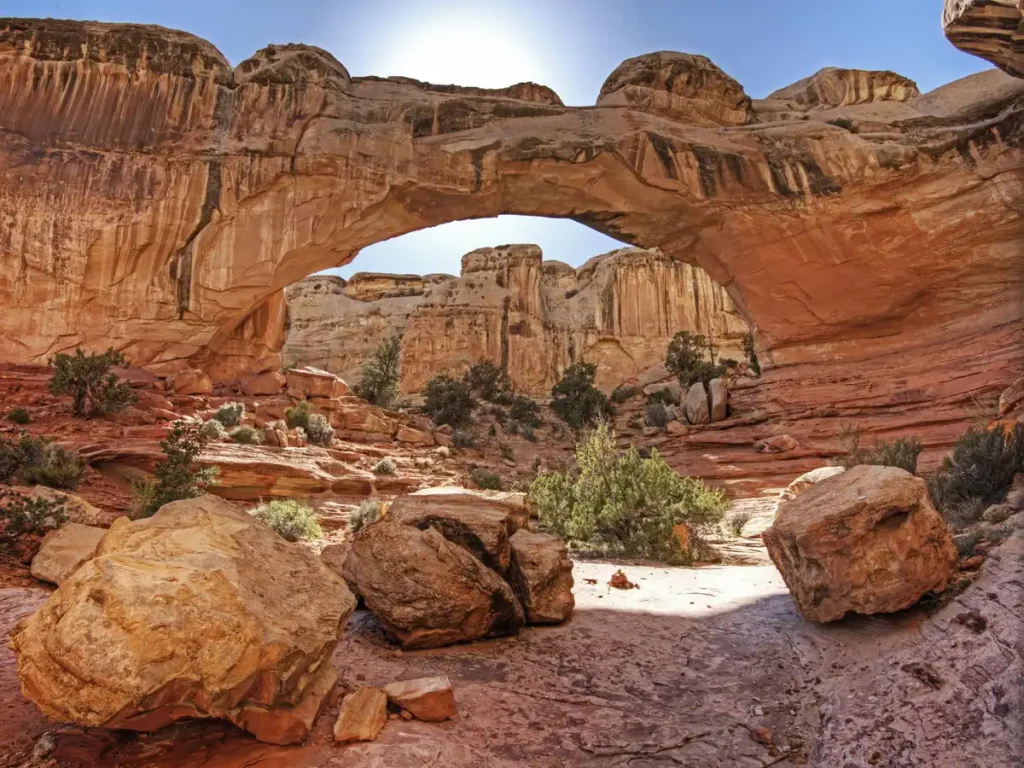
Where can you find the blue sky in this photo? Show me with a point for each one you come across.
(569, 45)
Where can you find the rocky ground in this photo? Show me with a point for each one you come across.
(696, 667)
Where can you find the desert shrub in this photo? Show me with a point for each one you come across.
(529, 434)
(524, 411)
(500, 415)
(737, 520)
(657, 415)
(626, 505)
(369, 512)
(176, 478)
(729, 363)
(978, 472)
(298, 415)
(319, 430)
(385, 466)
(575, 399)
(230, 414)
(378, 382)
(842, 122)
(18, 416)
(661, 396)
(751, 352)
(463, 438)
(486, 479)
(691, 357)
(622, 394)
(93, 388)
(53, 466)
(506, 451)
(213, 429)
(14, 454)
(448, 401)
(290, 519)
(22, 515)
(902, 452)
(246, 436)
(487, 381)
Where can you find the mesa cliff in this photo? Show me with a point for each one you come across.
(531, 316)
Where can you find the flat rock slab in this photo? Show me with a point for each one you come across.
(363, 714)
(427, 698)
(64, 549)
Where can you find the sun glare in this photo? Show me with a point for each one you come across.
(462, 49)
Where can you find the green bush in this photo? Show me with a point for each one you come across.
(657, 415)
(663, 396)
(22, 515)
(575, 399)
(485, 479)
(87, 378)
(319, 431)
(368, 512)
(691, 357)
(750, 350)
(385, 466)
(55, 467)
(175, 476)
(230, 414)
(626, 505)
(298, 415)
(448, 401)
(487, 381)
(622, 394)
(978, 472)
(213, 429)
(290, 519)
(378, 382)
(902, 452)
(463, 438)
(529, 434)
(18, 416)
(524, 411)
(246, 436)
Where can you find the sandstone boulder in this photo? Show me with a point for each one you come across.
(509, 505)
(362, 716)
(836, 87)
(807, 479)
(718, 391)
(426, 591)
(776, 444)
(77, 509)
(676, 428)
(268, 383)
(697, 411)
(199, 611)
(541, 576)
(63, 550)
(312, 382)
(1011, 398)
(673, 390)
(335, 555)
(414, 436)
(867, 540)
(429, 698)
(191, 381)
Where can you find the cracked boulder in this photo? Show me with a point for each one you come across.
(865, 541)
(200, 611)
(541, 575)
(427, 591)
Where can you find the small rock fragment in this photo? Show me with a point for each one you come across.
(428, 698)
(762, 736)
(619, 581)
(363, 714)
(973, 620)
(925, 673)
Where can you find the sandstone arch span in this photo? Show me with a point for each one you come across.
(154, 195)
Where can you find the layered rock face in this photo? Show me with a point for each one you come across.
(532, 317)
(992, 29)
(198, 611)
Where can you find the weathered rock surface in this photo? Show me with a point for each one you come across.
(309, 382)
(428, 698)
(363, 714)
(718, 395)
(807, 479)
(834, 87)
(696, 403)
(541, 576)
(64, 549)
(176, 257)
(426, 591)
(992, 29)
(534, 317)
(867, 540)
(199, 611)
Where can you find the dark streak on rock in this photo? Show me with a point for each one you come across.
(663, 146)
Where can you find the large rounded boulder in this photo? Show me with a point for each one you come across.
(866, 541)
(427, 591)
(199, 611)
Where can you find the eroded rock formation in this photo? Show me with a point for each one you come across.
(533, 317)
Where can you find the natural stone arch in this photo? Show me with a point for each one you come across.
(157, 195)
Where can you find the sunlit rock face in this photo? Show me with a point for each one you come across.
(155, 198)
(992, 29)
(533, 317)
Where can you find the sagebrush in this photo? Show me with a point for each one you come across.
(213, 430)
(230, 414)
(93, 388)
(657, 415)
(26, 515)
(626, 505)
(291, 519)
(385, 466)
(369, 511)
(902, 452)
(39, 461)
(246, 435)
(318, 430)
(18, 416)
(486, 479)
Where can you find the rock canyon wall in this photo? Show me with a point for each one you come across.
(533, 317)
